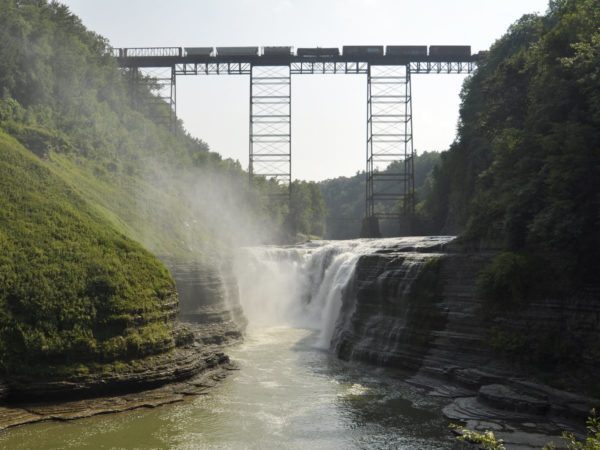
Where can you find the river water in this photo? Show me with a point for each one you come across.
(290, 391)
(288, 394)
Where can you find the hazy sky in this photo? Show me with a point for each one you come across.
(329, 111)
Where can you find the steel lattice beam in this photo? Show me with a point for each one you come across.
(164, 89)
(228, 68)
(390, 154)
(271, 124)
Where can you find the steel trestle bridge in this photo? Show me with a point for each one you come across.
(389, 104)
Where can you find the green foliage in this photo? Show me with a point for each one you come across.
(486, 440)
(63, 97)
(72, 288)
(506, 281)
(77, 293)
(428, 288)
(307, 209)
(592, 440)
(524, 172)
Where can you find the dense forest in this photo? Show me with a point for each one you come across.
(522, 180)
(524, 172)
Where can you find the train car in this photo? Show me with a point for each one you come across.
(198, 51)
(457, 51)
(277, 51)
(406, 50)
(363, 50)
(150, 52)
(481, 55)
(237, 51)
(319, 52)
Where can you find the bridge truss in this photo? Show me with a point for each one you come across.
(389, 146)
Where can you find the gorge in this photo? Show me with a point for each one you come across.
(316, 313)
(143, 274)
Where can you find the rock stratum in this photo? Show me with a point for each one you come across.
(418, 310)
(193, 364)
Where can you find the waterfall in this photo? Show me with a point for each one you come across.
(304, 285)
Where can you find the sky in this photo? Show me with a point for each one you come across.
(328, 111)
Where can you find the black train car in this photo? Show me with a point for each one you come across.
(198, 51)
(363, 50)
(318, 52)
(406, 50)
(481, 55)
(449, 51)
(237, 51)
(277, 51)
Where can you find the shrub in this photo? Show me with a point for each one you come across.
(506, 281)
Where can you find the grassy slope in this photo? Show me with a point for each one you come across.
(72, 285)
(138, 208)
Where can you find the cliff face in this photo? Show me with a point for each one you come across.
(209, 300)
(420, 312)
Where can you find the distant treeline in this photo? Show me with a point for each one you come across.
(345, 199)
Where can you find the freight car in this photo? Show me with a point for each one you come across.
(449, 51)
(149, 52)
(480, 55)
(237, 51)
(406, 50)
(319, 52)
(363, 50)
(198, 51)
(277, 51)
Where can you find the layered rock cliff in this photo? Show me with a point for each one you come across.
(420, 312)
(209, 300)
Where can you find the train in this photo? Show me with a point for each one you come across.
(236, 51)
(362, 50)
(449, 51)
(278, 51)
(406, 50)
(318, 52)
(437, 52)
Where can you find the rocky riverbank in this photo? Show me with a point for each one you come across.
(417, 309)
(187, 371)
(211, 319)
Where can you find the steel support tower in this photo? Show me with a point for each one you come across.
(157, 80)
(271, 124)
(390, 154)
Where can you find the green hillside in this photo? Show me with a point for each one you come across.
(72, 286)
(92, 188)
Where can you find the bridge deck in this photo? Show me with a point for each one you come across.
(303, 64)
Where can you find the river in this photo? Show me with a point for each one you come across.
(289, 394)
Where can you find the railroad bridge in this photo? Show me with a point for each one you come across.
(388, 71)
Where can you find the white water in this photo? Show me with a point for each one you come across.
(302, 286)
